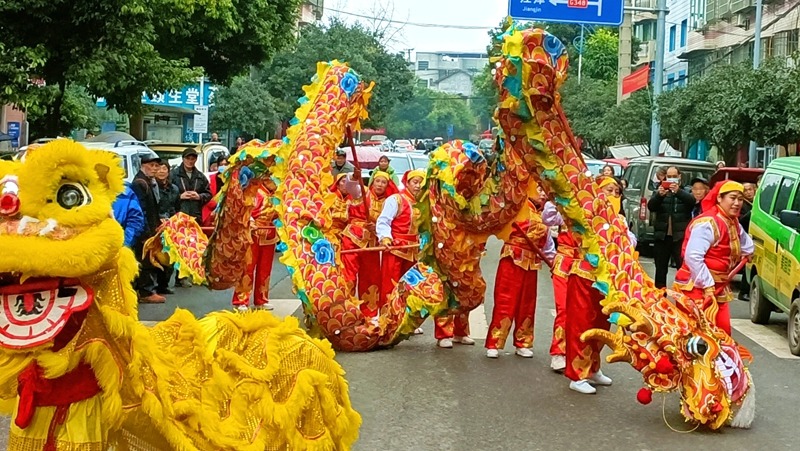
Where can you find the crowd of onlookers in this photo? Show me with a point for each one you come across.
(156, 194)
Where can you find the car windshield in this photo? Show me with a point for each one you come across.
(420, 162)
(400, 165)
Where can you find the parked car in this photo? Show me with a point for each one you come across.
(640, 175)
(207, 153)
(774, 271)
(129, 151)
(403, 145)
(596, 166)
(403, 162)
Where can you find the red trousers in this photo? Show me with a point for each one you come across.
(722, 318)
(515, 291)
(451, 326)
(583, 313)
(559, 345)
(256, 278)
(362, 270)
(392, 269)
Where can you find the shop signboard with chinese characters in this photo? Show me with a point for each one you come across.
(188, 97)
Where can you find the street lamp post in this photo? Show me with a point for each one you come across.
(753, 152)
(658, 76)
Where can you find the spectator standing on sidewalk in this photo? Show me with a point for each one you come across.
(673, 209)
(193, 190)
(749, 193)
(146, 189)
(699, 190)
(128, 214)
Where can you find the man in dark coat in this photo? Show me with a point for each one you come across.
(672, 206)
(194, 191)
(146, 189)
(192, 185)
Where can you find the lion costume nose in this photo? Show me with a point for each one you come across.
(9, 204)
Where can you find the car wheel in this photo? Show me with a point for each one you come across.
(760, 308)
(794, 327)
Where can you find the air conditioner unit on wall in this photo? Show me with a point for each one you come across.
(740, 20)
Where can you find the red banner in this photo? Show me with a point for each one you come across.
(636, 80)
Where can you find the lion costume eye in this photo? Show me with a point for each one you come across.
(697, 346)
(72, 195)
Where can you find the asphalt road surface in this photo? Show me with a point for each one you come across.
(419, 397)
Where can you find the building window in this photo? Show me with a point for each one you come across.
(670, 81)
(422, 65)
(684, 31)
(681, 78)
(697, 14)
(672, 38)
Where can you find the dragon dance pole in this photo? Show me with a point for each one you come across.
(349, 134)
(731, 275)
(379, 248)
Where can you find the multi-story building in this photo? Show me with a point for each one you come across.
(722, 32)
(310, 11)
(450, 72)
(676, 38)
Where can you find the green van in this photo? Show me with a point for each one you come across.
(774, 271)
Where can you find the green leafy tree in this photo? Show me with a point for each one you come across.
(78, 110)
(773, 91)
(629, 122)
(429, 114)
(585, 105)
(290, 69)
(120, 48)
(246, 105)
(601, 57)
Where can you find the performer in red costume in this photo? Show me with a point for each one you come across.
(396, 226)
(516, 284)
(362, 269)
(582, 304)
(261, 256)
(715, 242)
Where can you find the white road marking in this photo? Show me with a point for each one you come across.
(764, 337)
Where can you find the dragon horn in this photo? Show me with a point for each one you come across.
(614, 341)
(640, 323)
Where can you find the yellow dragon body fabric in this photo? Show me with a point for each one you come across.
(78, 371)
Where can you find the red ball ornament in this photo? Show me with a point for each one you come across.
(644, 396)
(664, 366)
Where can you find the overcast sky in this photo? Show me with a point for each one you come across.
(471, 13)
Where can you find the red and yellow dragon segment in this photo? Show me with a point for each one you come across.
(661, 333)
(299, 168)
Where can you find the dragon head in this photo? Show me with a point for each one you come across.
(56, 230)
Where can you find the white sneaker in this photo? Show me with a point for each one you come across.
(599, 378)
(464, 340)
(267, 307)
(241, 308)
(524, 352)
(418, 331)
(558, 363)
(492, 353)
(445, 343)
(582, 386)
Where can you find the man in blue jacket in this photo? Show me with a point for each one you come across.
(128, 214)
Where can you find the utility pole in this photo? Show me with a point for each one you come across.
(580, 45)
(753, 152)
(624, 53)
(658, 76)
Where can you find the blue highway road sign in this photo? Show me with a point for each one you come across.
(599, 12)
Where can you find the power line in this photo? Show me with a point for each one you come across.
(413, 24)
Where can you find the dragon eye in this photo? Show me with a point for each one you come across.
(697, 347)
(72, 195)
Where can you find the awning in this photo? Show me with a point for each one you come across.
(628, 151)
